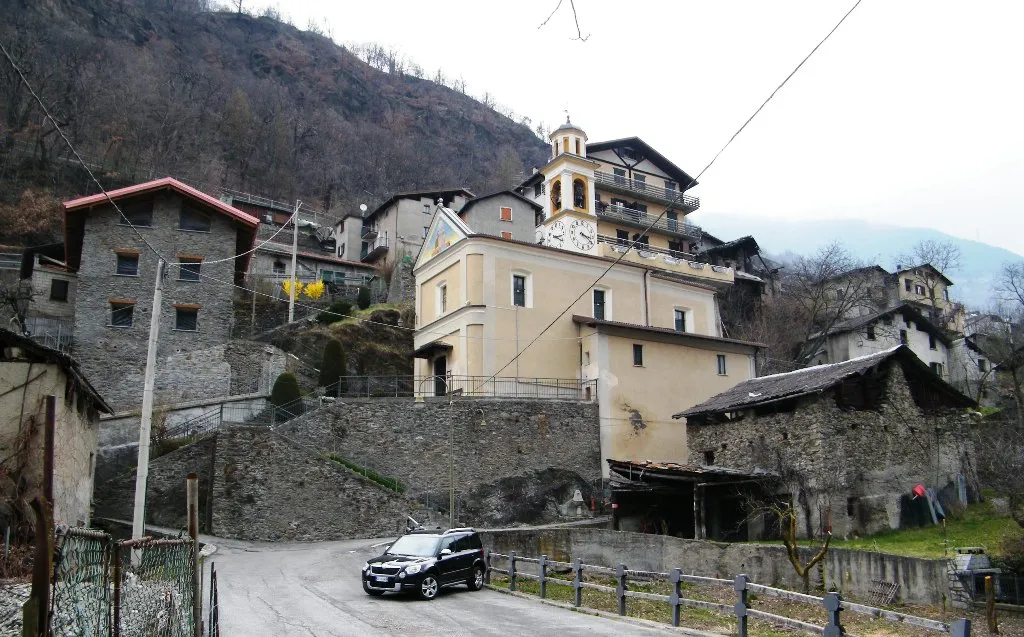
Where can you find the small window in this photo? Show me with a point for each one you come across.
(538, 189)
(709, 457)
(931, 341)
(907, 285)
(186, 318)
(121, 313)
(578, 147)
(670, 185)
(937, 368)
(870, 332)
(919, 290)
(505, 213)
(426, 229)
(506, 235)
(620, 174)
(982, 365)
(579, 194)
(586, 357)
(565, 144)
(279, 267)
(722, 369)
(599, 304)
(945, 294)
(903, 337)
(127, 264)
(519, 290)
(442, 299)
(622, 237)
(193, 220)
(139, 213)
(680, 316)
(426, 209)
(638, 355)
(640, 179)
(58, 290)
(188, 269)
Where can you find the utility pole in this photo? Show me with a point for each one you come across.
(295, 251)
(142, 473)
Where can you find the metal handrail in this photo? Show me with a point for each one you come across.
(640, 217)
(615, 241)
(641, 187)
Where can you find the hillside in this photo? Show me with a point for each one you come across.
(148, 88)
(872, 242)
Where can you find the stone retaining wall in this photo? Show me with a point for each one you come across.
(852, 573)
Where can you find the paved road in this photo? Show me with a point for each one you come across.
(313, 590)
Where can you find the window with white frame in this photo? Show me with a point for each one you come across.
(603, 304)
(722, 368)
(442, 298)
(682, 321)
(522, 289)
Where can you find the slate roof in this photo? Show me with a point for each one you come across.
(769, 389)
(472, 202)
(747, 240)
(684, 180)
(903, 309)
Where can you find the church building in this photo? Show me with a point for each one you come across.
(644, 336)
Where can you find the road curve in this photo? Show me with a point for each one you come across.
(313, 590)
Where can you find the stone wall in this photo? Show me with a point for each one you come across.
(165, 489)
(856, 463)
(269, 488)
(493, 438)
(850, 572)
(114, 358)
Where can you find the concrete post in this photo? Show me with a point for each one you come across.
(960, 628)
(192, 504)
(833, 604)
(543, 564)
(620, 587)
(577, 582)
(676, 578)
(511, 570)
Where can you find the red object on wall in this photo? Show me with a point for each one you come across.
(918, 491)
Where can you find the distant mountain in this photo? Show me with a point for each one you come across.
(873, 242)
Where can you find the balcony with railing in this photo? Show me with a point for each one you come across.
(641, 219)
(368, 232)
(624, 185)
(376, 247)
(670, 260)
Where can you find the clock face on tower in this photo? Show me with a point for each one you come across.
(582, 234)
(556, 235)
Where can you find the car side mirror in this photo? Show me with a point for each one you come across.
(446, 552)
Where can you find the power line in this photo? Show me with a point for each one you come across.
(672, 207)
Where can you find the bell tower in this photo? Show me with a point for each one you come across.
(570, 222)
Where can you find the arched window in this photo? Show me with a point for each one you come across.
(556, 196)
(579, 194)
(578, 146)
(565, 144)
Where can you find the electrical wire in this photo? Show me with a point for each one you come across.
(669, 208)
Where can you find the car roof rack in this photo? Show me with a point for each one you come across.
(461, 529)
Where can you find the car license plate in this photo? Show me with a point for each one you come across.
(380, 578)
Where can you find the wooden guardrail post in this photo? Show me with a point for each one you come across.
(676, 578)
(511, 570)
(990, 606)
(487, 566)
(543, 564)
(740, 586)
(833, 605)
(577, 582)
(960, 628)
(620, 587)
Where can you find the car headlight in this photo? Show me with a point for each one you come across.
(412, 569)
(366, 567)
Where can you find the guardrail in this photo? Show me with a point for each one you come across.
(628, 215)
(741, 585)
(470, 386)
(621, 182)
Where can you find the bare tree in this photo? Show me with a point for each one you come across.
(575, 17)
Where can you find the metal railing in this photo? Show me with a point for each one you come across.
(10, 260)
(624, 243)
(50, 332)
(471, 386)
(623, 214)
(624, 582)
(378, 244)
(368, 231)
(667, 195)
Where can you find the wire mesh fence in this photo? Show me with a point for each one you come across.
(106, 588)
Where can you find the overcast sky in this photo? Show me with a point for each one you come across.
(910, 114)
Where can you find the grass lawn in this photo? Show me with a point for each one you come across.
(979, 525)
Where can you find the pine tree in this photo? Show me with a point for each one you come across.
(333, 368)
(285, 396)
(363, 300)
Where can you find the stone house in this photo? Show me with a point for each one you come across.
(29, 372)
(884, 329)
(847, 442)
(114, 268)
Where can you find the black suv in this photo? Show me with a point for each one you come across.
(423, 562)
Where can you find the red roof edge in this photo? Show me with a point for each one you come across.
(160, 184)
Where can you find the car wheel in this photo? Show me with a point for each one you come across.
(428, 587)
(476, 579)
(370, 591)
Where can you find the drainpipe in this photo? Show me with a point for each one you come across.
(647, 299)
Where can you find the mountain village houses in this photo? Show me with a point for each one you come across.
(529, 292)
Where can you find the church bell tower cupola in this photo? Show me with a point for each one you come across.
(568, 138)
